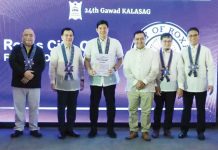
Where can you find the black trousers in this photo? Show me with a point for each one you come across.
(167, 99)
(200, 98)
(95, 97)
(66, 99)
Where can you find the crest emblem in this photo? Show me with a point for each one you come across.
(75, 10)
(156, 29)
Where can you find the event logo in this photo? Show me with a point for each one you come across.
(75, 10)
(154, 31)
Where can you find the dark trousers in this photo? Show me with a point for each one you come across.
(167, 99)
(66, 99)
(200, 98)
(95, 97)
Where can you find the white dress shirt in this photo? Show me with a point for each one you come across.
(141, 65)
(115, 52)
(174, 71)
(57, 67)
(205, 73)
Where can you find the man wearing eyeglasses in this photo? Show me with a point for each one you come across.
(198, 68)
(168, 84)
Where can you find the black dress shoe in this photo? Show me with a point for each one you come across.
(167, 133)
(16, 134)
(36, 133)
(201, 136)
(62, 136)
(92, 133)
(112, 134)
(155, 134)
(182, 135)
(72, 134)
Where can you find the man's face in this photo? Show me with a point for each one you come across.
(67, 37)
(166, 43)
(139, 40)
(193, 37)
(102, 31)
(28, 37)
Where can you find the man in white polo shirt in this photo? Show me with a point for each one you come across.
(141, 67)
(103, 58)
(168, 82)
(198, 79)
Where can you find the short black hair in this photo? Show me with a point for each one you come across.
(66, 29)
(193, 29)
(138, 32)
(102, 22)
(166, 35)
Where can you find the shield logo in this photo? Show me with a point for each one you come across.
(75, 10)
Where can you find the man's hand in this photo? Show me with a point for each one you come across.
(179, 93)
(24, 80)
(210, 89)
(53, 86)
(91, 72)
(140, 85)
(110, 71)
(158, 91)
(29, 74)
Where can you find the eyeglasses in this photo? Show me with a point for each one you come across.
(192, 35)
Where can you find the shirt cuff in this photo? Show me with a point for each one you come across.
(156, 85)
(145, 81)
(181, 86)
(134, 82)
(211, 83)
(52, 82)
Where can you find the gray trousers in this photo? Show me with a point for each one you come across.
(22, 97)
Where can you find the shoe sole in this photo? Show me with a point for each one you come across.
(128, 138)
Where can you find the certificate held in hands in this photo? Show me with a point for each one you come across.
(102, 65)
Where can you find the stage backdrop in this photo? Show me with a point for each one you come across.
(154, 17)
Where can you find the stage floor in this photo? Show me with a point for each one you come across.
(49, 141)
